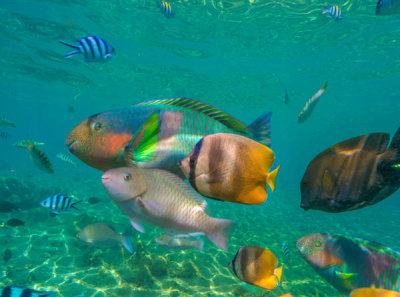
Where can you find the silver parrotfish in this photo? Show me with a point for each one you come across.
(162, 199)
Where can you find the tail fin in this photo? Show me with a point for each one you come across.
(69, 44)
(271, 178)
(395, 145)
(278, 273)
(73, 53)
(260, 129)
(221, 232)
(127, 240)
(73, 204)
(199, 244)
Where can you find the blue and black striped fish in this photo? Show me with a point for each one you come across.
(285, 252)
(166, 9)
(333, 12)
(93, 48)
(18, 291)
(59, 203)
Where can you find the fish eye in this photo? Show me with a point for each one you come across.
(192, 161)
(97, 126)
(318, 244)
(127, 176)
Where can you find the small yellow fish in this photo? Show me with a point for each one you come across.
(166, 9)
(39, 158)
(257, 266)
(24, 143)
(373, 292)
(6, 123)
(230, 167)
(311, 103)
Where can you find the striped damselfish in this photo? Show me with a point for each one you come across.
(155, 134)
(166, 9)
(349, 263)
(59, 203)
(333, 12)
(18, 291)
(93, 48)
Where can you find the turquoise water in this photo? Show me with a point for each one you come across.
(239, 56)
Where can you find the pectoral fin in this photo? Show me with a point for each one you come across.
(144, 143)
(328, 181)
(137, 225)
(345, 276)
(149, 206)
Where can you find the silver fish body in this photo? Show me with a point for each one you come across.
(162, 199)
(101, 235)
(179, 242)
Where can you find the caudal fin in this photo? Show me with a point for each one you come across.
(199, 244)
(260, 129)
(271, 178)
(73, 204)
(127, 240)
(221, 232)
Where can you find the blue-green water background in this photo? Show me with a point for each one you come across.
(236, 55)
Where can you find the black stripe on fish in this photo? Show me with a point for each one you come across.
(99, 43)
(26, 293)
(95, 48)
(58, 200)
(84, 48)
(63, 203)
(6, 292)
(90, 45)
(193, 163)
(69, 203)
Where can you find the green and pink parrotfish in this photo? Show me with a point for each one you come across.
(349, 263)
(155, 134)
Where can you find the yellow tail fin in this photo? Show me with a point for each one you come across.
(278, 273)
(271, 178)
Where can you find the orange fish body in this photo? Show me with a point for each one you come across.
(230, 167)
(257, 266)
(373, 292)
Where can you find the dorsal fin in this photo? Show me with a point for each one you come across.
(206, 109)
(193, 194)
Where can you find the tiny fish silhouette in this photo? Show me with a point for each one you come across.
(7, 255)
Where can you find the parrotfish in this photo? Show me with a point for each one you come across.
(155, 134)
(310, 104)
(349, 263)
(93, 49)
(352, 174)
(230, 167)
(257, 266)
(371, 292)
(103, 236)
(387, 7)
(162, 199)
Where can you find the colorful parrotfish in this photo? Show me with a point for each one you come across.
(155, 134)
(349, 263)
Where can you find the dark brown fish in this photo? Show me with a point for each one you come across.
(6, 206)
(7, 255)
(352, 174)
(15, 222)
(94, 200)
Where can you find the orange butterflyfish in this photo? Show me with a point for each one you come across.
(230, 167)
